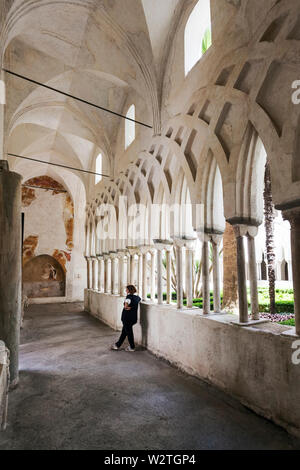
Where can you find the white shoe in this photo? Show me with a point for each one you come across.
(129, 349)
(114, 347)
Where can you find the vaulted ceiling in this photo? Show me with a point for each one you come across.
(108, 52)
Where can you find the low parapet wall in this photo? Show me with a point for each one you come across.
(253, 364)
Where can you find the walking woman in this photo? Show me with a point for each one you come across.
(129, 318)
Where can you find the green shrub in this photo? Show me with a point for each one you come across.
(290, 322)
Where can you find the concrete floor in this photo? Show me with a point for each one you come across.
(75, 393)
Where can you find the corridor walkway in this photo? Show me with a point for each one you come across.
(75, 393)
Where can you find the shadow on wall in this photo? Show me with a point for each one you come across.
(43, 276)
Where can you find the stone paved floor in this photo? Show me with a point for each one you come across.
(75, 393)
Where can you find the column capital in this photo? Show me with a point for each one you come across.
(121, 253)
(241, 230)
(99, 257)
(113, 254)
(185, 242)
(132, 250)
(163, 244)
(144, 249)
(293, 216)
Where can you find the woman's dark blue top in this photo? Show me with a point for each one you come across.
(131, 315)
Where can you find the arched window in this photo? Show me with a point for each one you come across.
(130, 126)
(98, 178)
(197, 35)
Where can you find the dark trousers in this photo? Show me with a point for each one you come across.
(126, 332)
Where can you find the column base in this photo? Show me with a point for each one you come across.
(13, 385)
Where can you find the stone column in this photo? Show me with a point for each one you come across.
(216, 240)
(128, 266)
(168, 276)
(205, 276)
(122, 280)
(160, 245)
(252, 232)
(113, 257)
(88, 273)
(107, 272)
(145, 276)
(100, 272)
(10, 265)
(179, 274)
(153, 275)
(293, 216)
(240, 231)
(159, 275)
(95, 273)
(131, 268)
(189, 276)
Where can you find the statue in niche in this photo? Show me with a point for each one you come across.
(49, 272)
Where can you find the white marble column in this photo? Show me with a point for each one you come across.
(145, 276)
(189, 276)
(205, 276)
(252, 232)
(153, 275)
(95, 273)
(113, 257)
(140, 274)
(216, 241)
(107, 274)
(293, 216)
(159, 275)
(168, 275)
(100, 273)
(240, 232)
(122, 279)
(179, 275)
(88, 276)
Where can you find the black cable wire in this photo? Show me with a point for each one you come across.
(76, 98)
(45, 189)
(57, 164)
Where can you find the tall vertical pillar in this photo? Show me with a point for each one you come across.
(252, 232)
(95, 273)
(107, 272)
(168, 276)
(159, 275)
(293, 216)
(100, 272)
(152, 275)
(88, 273)
(205, 276)
(140, 273)
(179, 275)
(145, 275)
(113, 257)
(10, 265)
(240, 231)
(216, 239)
(122, 281)
(128, 258)
(189, 276)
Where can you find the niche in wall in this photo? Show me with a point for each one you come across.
(43, 276)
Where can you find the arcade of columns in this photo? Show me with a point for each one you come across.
(110, 272)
